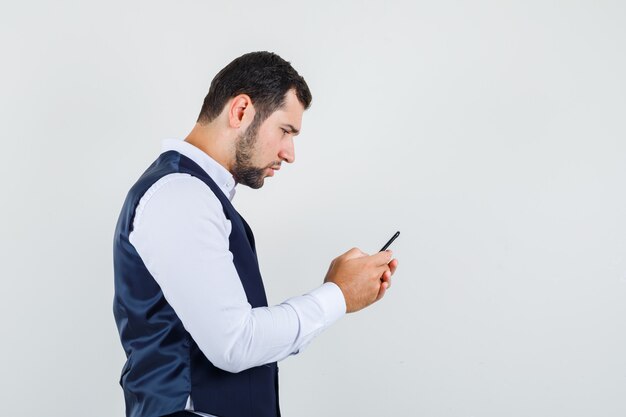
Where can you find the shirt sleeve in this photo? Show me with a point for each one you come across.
(182, 235)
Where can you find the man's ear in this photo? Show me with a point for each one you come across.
(240, 111)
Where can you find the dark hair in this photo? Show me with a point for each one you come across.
(264, 76)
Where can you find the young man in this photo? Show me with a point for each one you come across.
(189, 301)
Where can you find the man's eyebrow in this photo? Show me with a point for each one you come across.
(292, 129)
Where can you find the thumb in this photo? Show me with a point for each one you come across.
(382, 258)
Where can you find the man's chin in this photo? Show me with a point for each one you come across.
(258, 183)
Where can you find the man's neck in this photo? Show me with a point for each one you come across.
(212, 142)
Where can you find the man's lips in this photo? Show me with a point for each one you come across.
(272, 169)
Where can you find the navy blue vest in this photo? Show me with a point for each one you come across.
(164, 365)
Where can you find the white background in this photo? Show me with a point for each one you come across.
(491, 134)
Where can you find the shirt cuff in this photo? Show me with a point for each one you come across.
(331, 299)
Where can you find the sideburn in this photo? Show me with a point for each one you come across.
(243, 170)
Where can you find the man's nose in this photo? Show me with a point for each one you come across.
(288, 152)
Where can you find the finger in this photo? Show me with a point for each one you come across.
(381, 291)
(382, 272)
(393, 265)
(386, 278)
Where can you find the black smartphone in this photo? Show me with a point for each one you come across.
(390, 241)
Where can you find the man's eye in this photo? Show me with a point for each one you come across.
(284, 131)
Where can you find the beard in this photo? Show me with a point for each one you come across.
(244, 171)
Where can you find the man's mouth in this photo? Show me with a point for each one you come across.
(273, 168)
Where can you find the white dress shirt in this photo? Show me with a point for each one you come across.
(182, 235)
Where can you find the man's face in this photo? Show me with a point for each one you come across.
(263, 147)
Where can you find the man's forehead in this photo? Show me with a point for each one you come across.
(290, 113)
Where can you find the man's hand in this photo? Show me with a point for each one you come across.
(362, 278)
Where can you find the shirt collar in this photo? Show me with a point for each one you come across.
(214, 169)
